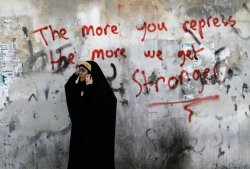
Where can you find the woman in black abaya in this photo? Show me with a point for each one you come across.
(92, 109)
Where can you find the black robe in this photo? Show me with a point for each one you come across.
(92, 109)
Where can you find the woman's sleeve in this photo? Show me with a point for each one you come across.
(70, 92)
(90, 94)
(94, 96)
(71, 81)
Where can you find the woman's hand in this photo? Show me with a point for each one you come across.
(77, 70)
(88, 79)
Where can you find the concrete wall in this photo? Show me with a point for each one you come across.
(165, 119)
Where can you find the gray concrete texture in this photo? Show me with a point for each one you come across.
(165, 119)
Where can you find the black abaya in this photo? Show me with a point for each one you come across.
(92, 109)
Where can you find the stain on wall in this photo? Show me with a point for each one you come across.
(179, 69)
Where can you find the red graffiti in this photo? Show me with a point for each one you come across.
(101, 53)
(61, 59)
(137, 82)
(54, 33)
(152, 54)
(188, 54)
(99, 31)
(202, 23)
(151, 27)
(173, 81)
(186, 107)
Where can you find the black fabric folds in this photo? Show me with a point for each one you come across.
(92, 109)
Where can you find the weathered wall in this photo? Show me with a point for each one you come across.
(165, 119)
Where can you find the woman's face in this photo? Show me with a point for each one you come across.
(82, 73)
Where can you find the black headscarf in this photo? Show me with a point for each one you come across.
(100, 83)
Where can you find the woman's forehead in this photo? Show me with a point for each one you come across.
(82, 67)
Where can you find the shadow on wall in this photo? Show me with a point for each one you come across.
(169, 149)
